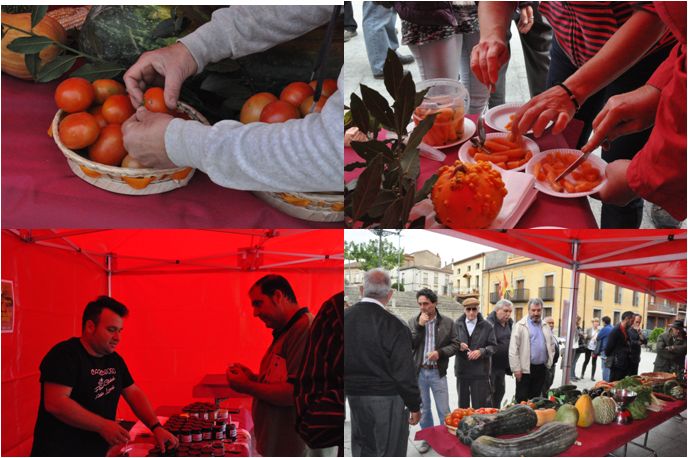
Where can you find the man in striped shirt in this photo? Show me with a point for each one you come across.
(434, 342)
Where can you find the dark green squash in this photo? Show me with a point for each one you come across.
(516, 419)
(551, 439)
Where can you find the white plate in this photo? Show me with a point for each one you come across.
(498, 117)
(596, 161)
(529, 144)
(468, 131)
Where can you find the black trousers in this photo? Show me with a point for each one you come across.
(474, 393)
(349, 21)
(498, 387)
(531, 384)
(589, 355)
(379, 425)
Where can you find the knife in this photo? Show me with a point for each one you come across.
(573, 166)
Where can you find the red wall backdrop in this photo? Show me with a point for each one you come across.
(181, 325)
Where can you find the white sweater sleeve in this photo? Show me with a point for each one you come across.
(242, 30)
(298, 155)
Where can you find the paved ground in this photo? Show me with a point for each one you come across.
(357, 71)
(668, 439)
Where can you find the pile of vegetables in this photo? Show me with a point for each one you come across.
(638, 407)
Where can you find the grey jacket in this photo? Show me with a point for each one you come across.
(483, 339)
(667, 359)
(445, 341)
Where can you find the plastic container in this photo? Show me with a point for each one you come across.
(448, 99)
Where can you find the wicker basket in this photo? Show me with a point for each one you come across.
(126, 180)
(310, 206)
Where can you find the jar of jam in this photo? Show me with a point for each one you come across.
(207, 433)
(185, 436)
(232, 432)
(218, 434)
(222, 424)
(196, 434)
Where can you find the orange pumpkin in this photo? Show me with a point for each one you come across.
(12, 62)
(468, 196)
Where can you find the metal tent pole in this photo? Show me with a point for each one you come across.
(572, 310)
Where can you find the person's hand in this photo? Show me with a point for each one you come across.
(552, 105)
(518, 375)
(624, 114)
(473, 355)
(616, 191)
(113, 433)
(249, 373)
(238, 379)
(423, 319)
(144, 138)
(464, 346)
(487, 58)
(168, 66)
(414, 418)
(433, 356)
(525, 22)
(165, 439)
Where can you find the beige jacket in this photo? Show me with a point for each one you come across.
(519, 346)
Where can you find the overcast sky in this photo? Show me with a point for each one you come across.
(449, 248)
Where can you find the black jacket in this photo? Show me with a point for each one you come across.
(500, 359)
(483, 339)
(445, 342)
(619, 346)
(378, 360)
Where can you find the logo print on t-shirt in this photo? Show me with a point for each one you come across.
(105, 385)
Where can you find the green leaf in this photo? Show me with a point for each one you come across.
(377, 106)
(423, 192)
(56, 68)
(32, 62)
(353, 166)
(420, 96)
(29, 45)
(371, 149)
(360, 114)
(391, 178)
(37, 14)
(409, 195)
(367, 187)
(384, 199)
(404, 104)
(392, 216)
(348, 119)
(394, 72)
(419, 132)
(410, 164)
(98, 70)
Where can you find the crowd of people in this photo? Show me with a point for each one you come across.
(619, 68)
(298, 402)
(392, 367)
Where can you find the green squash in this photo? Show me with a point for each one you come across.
(605, 409)
(122, 33)
(568, 414)
(669, 385)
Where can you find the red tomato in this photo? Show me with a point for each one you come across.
(79, 130)
(154, 100)
(278, 111)
(105, 88)
(306, 105)
(295, 93)
(74, 95)
(253, 107)
(329, 87)
(117, 109)
(97, 111)
(109, 148)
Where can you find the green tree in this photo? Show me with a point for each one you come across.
(368, 254)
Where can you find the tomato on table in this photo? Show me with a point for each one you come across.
(78, 130)
(74, 94)
(154, 100)
(253, 107)
(278, 111)
(117, 109)
(105, 88)
(295, 93)
(109, 148)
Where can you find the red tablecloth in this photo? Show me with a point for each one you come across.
(546, 210)
(39, 189)
(597, 440)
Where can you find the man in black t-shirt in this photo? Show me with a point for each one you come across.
(82, 379)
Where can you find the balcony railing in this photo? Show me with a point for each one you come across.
(663, 309)
(494, 297)
(519, 295)
(546, 293)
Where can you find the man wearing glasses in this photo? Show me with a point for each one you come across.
(477, 344)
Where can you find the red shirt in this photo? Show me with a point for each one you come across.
(658, 171)
(582, 28)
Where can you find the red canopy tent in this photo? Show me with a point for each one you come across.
(650, 261)
(187, 291)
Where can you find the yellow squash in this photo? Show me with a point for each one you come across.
(12, 62)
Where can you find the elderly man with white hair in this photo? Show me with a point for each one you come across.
(380, 379)
(501, 321)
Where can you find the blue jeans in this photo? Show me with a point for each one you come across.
(379, 34)
(429, 380)
(605, 370)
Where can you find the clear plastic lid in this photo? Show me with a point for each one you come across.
(443, 93)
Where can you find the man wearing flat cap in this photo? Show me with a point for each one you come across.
(671, 349)
(477, 344)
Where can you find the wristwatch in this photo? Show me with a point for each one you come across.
(156, 425)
